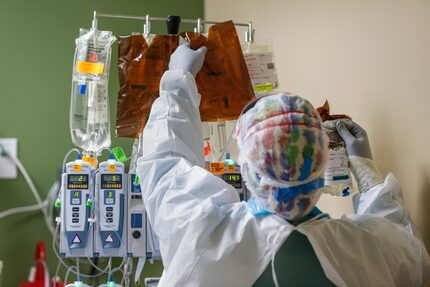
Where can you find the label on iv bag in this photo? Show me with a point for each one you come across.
(261, 70)
(337, 170)
(90, 68)
(263, 88)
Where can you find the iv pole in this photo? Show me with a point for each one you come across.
(249, 33)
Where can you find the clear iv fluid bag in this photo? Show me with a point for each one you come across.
(337, 175)
(260, 61)
(89, 118)
(89, 109)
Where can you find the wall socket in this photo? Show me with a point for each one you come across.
(7, 166)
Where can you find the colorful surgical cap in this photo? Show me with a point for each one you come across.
(282, 152)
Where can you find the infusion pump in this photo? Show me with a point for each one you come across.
(229, 171)
(102, 213)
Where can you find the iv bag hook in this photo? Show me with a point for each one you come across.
(249, 34)
(94, 22)
(199, 26)
(147, 26)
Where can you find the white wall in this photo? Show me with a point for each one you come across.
(371, 60)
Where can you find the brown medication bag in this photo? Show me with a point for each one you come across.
(223, 81)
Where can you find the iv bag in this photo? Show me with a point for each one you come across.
(141, 67)
(223, 81)
(337, 176)
(89, 109)
(260, 61)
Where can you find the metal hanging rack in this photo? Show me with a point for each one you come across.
(249, 33)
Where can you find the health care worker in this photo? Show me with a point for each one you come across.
(209, 238)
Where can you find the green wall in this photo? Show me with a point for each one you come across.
(36, 53)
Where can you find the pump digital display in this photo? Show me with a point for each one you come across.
(77, 181)
(111, 181)
(234, 179)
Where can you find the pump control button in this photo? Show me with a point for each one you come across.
(136, 234)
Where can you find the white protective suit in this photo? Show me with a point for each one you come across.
(208, 238)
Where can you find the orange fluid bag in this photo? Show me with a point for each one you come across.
(140, 69)
(223, 81)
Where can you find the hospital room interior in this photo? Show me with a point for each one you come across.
(214, 143)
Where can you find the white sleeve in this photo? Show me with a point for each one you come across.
(174, 127)
(176, 190)
(385, 200)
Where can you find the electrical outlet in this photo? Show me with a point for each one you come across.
(7, 165)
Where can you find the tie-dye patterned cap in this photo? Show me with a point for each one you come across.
(283, 151)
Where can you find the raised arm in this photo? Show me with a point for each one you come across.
(378, 196)
(172, 141)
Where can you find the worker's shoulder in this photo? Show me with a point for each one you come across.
(355, 231)
(353, 224)
(366, 242)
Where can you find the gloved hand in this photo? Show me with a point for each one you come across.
(355, 137)
(360, 156)
(187, 59)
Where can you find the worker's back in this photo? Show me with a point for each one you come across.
(296, 265)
